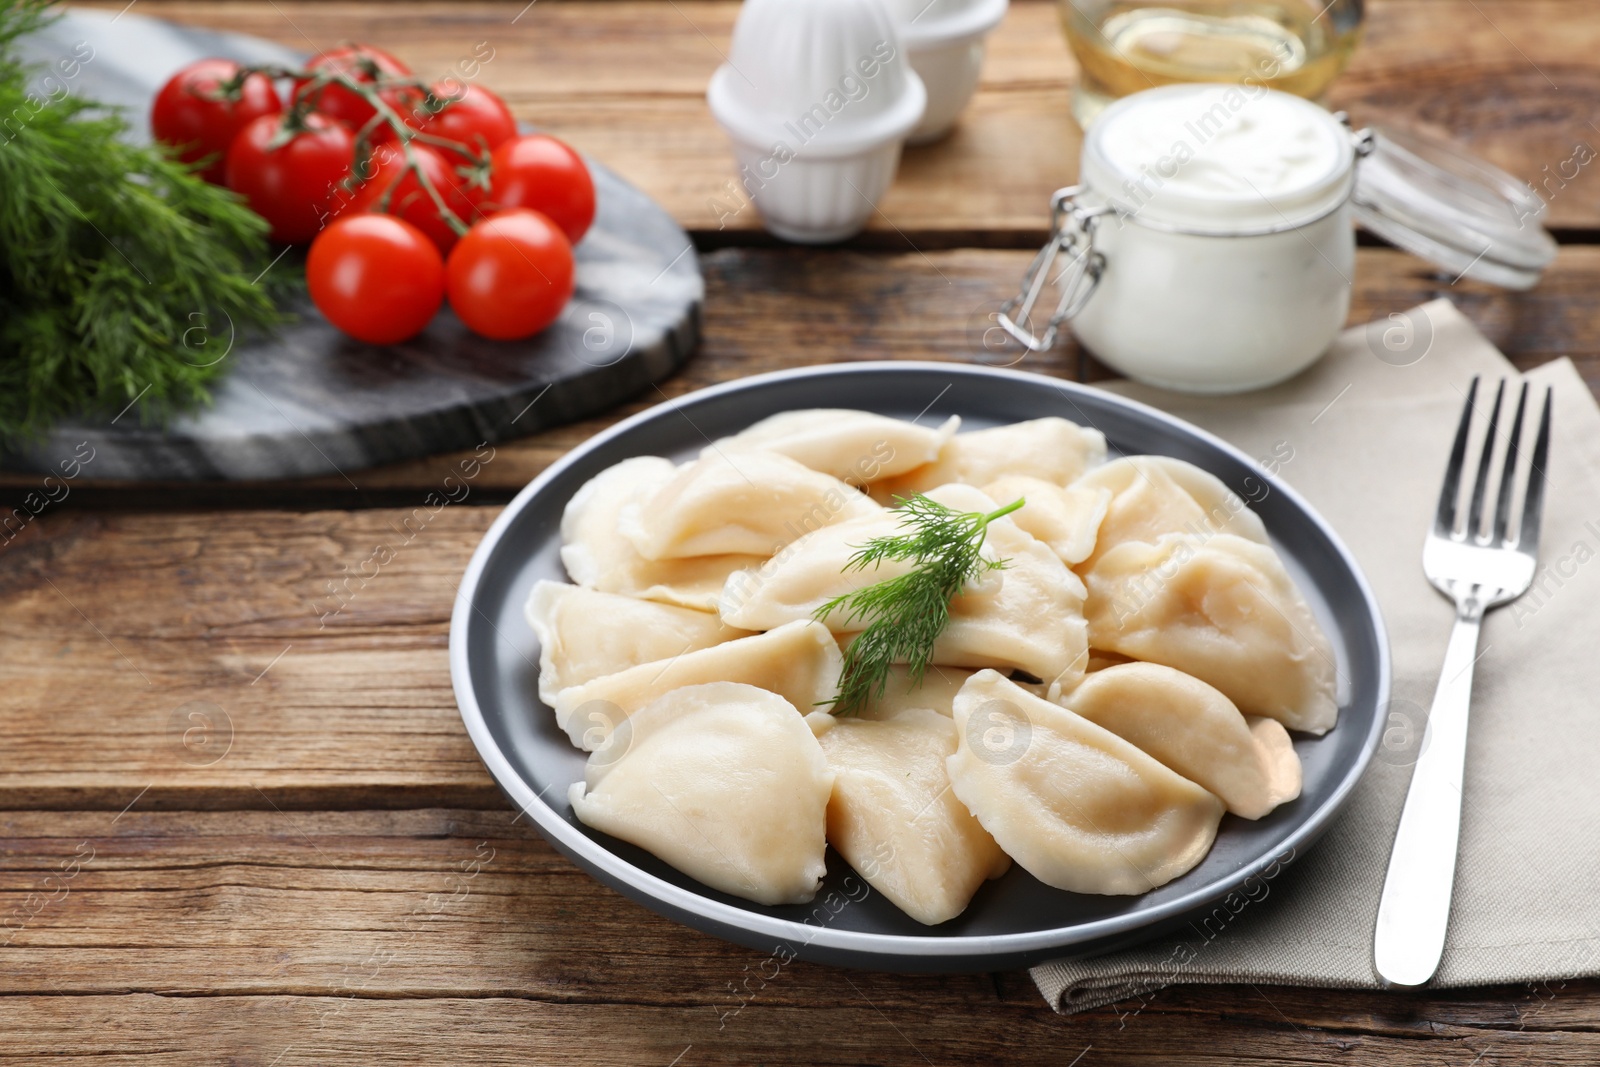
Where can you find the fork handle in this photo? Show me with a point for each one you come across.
(1415, 908)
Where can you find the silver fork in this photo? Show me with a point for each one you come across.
(1479, 566)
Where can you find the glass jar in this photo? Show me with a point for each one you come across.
(1127, 46)
(1209, 245)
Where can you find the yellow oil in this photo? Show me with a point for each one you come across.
(1123, 47)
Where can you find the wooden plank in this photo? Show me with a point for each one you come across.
(768, 309)
(456, 936)
(848, 1028)
(625, 80)
(117, 624)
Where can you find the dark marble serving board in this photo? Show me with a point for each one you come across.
(311, 401)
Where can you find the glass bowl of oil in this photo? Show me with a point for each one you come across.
(1124, 46)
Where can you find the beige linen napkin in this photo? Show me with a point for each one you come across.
(1370, 428)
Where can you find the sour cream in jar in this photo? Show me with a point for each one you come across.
(1209, 247)
(1226, 234)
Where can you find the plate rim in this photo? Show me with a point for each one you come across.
(659, 894)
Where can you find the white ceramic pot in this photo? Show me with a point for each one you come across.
(819, 201)
(817, 97)
(946, 41)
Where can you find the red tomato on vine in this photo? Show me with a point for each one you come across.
(393, 188)
(291, 177)
(365, 64)
(511, 275)
(474, 116)
(191, 115)
(376, 277)
(539, 172)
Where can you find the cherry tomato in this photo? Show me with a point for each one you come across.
(362, 62)
(476, 117)
(292, 185)
(407, 199)
(189, 114)
(376, 277)
(511, 275)
(539, 172)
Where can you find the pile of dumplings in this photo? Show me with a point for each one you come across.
(1092, 711)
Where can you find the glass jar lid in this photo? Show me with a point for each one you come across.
(1437, 201)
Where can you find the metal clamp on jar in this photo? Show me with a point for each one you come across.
(1209, 245)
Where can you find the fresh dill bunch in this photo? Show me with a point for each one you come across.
(123, 275)
(906, 614)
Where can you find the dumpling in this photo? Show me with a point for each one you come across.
(935, 692)
(1067, 519)
(1026, 617)
(723, 781)
(1077, 806)
(1156, 495)
(597, 556)
(893, 818)
(815, 569)
(1100, 659)
(853, 446)
(806, 574)
(1032, 623)
(752, 503)
(584, 634)
(799, 662)
(1195, 730)
(1051, 449)
(1224, 610)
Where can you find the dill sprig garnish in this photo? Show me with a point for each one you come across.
(123, 275)
(906, 614)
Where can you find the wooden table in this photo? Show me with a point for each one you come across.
(232, 834)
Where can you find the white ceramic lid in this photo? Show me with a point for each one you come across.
(931, 23)
(822, 77)
(1437, 201)
(1218, 159)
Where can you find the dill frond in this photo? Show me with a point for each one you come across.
(906, 614)
(122, 273)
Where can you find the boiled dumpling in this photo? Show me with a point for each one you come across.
(723, 781)
(1066, 519)
(1156, 495)
(936, 691)
(1224, 610)
(853, 446)
(597, 556)
(1195, 730)
(1032, 623)
(1077, 806)
(584, 634)
(1051, 449)
(1026, 617)
(799, 662)
(893, 818)
(744, 502)
(815, 569)
(1100, 659)
(808, 573)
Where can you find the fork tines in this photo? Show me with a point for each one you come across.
(1476, 526)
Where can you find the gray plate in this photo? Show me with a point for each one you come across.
(1015, 920)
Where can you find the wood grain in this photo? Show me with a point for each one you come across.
(767, 309)
(457, 936)
(325, 688)
(318, 868)
(625, 80)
